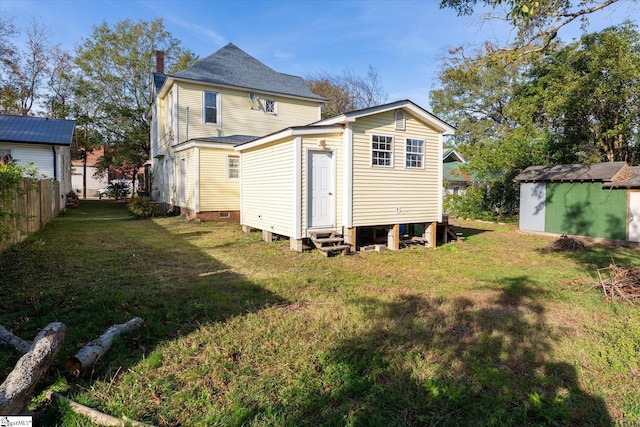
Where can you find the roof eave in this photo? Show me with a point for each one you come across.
(287, 133)
(165, 88)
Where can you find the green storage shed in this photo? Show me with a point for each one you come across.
(592, 200)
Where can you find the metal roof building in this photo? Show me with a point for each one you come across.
(36, 130)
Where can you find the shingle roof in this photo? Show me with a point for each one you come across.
(158, 80)
(631, 179)
(231, 66)
(567, 173)
(36, 130)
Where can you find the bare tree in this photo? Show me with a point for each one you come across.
(347, 91)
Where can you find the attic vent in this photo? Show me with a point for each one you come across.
(400, 124)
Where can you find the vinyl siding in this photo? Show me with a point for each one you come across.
(236, 115)
(185, 193)
(334, 144)
(394, 195)
(217, 193)
(268, 188)
(40, 155)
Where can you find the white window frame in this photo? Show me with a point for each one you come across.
(204, 107)
(376, 139)
(230, 168)
(275, 107)
(418, 156)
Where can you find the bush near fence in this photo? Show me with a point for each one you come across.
(37, 203)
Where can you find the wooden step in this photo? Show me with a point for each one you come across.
(327, 239)
(328, 242)
(343, 249)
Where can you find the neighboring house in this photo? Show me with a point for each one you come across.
(455, 178)
(87, 174)
(599, 200)
(199, 114)
(376, 168)
(43, 142)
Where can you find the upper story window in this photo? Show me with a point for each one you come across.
(211, 107)
(270, 106)
(415, 153)
(400, 122)
(381, 150)
(233, 168)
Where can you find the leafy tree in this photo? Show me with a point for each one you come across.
(480, 96)
(566, 104)
(536, 22)
(347, 91)
(589, 94)
(115, 66)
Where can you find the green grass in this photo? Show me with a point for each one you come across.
(496, 330)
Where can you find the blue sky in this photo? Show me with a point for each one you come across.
(402, 39)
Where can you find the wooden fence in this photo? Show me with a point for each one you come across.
(37, 204)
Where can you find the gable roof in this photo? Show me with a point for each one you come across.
(36, 130)
(570, 173)
(231, 66)
(442, 126)
(627, 179)
(451, 155)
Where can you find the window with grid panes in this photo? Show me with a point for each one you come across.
(414, 153)
(381, 150)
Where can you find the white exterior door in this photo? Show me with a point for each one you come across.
(321, 190)
(633, 218)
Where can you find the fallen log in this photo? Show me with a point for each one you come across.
(91, 352)
(7, 339)
(94, 415)
(16, 389)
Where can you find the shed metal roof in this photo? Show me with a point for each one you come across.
(231, 66)
(568, 173)
(454, 172)
(36, 130)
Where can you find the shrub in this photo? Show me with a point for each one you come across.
(10, 189)
(470, 205)
(142, 207)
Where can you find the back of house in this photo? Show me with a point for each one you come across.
(200, 114)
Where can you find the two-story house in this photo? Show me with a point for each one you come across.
(200, 114)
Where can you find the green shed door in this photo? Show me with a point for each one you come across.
(586, 209)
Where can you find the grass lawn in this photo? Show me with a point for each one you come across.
(496, 330)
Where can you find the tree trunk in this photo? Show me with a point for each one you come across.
(97, 417)
(16, 390)
(89, 354)
(10, 340)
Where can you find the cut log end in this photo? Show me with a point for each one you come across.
(16, 390)
(87, 356)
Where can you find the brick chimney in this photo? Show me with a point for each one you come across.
(160, 61)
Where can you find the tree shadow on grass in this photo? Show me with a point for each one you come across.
(92, 268)
(449, 362)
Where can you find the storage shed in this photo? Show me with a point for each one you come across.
(593, 200)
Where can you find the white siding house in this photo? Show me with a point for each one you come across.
(42, 142)
(363, 169)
